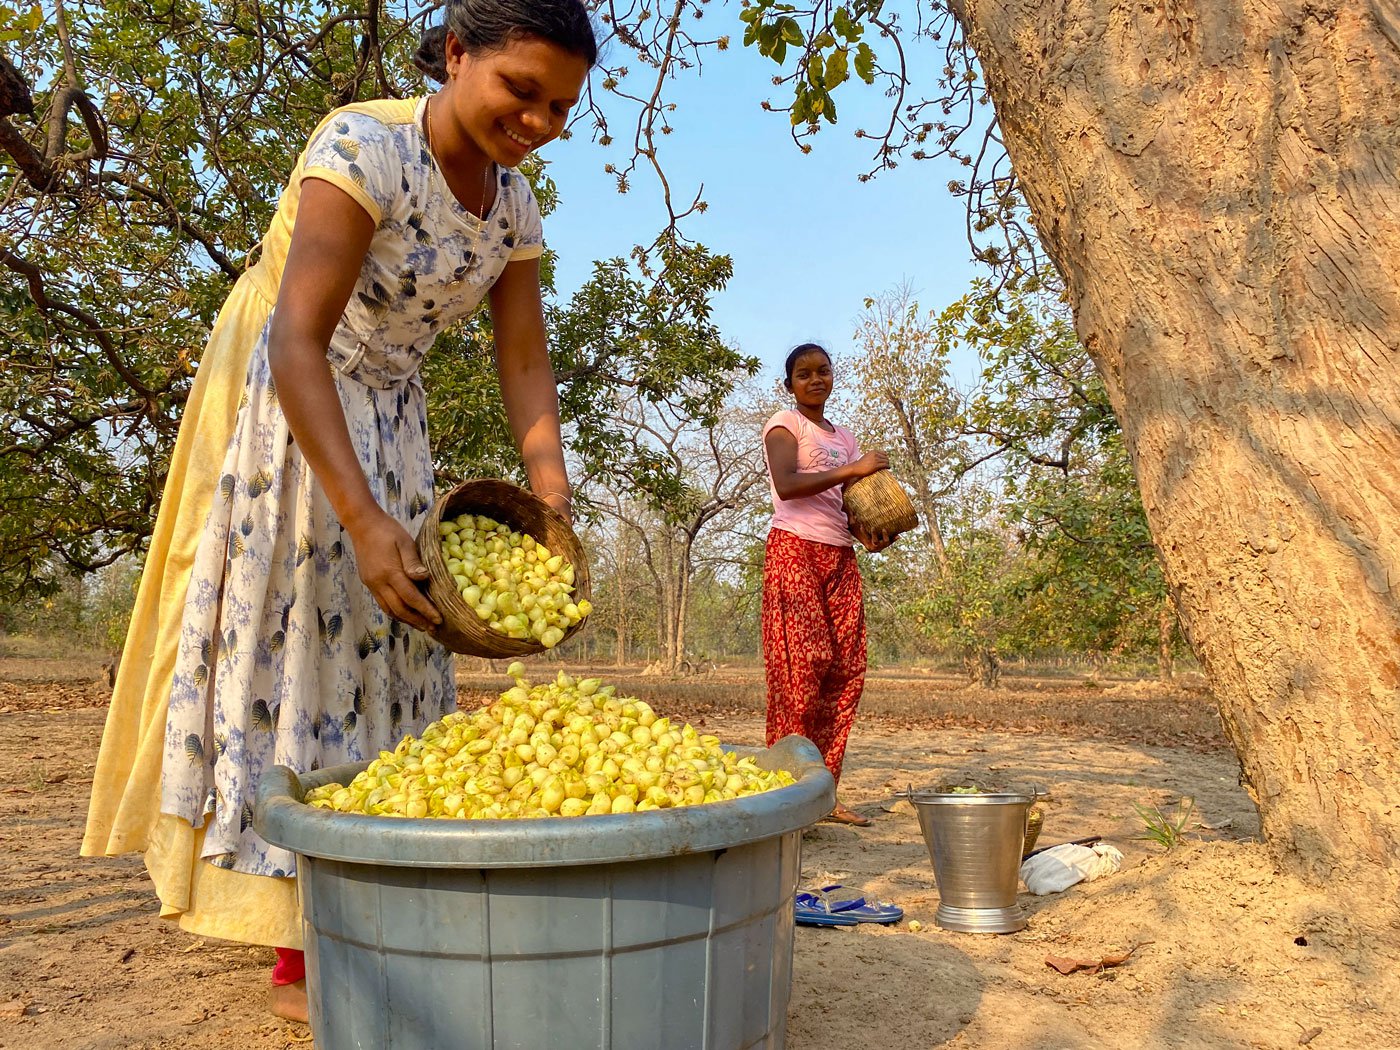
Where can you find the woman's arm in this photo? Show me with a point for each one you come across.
(329, 243)
(790, 483)
(527, 381)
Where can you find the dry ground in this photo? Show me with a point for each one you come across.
(1233, 953)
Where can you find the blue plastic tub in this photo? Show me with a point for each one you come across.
(669, 929)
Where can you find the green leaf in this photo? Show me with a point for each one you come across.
(865, 63)
(841, 22)
(837, 67)
(767, 38)
(800, 108)
(792, 32)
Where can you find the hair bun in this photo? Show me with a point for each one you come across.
(431, 56)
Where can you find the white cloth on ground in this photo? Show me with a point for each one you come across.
(1060, 867)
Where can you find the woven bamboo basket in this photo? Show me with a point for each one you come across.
(877, 503)
(462, 630)
(1035, 820)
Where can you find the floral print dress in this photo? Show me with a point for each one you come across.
(284, 656)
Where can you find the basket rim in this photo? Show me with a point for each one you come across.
(462, 630)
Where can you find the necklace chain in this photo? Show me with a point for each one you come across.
(485, 178)
(485, 173)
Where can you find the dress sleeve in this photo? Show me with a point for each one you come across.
(528, 235)
(357, 154)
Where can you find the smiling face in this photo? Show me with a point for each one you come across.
(512, 100)
(811, 379)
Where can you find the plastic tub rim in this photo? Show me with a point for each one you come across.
(283, 820)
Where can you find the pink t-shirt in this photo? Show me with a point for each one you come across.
(818, 518)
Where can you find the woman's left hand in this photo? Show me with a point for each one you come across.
(528, 387)
(874, 540)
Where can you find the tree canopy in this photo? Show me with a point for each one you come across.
(142, 152)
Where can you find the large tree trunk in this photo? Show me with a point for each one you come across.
(914, 448)
(685, 584)
(983, 667)
(622, 603)
(1166, 637)
(1217, 182)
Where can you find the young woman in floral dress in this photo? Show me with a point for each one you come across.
(279, 619)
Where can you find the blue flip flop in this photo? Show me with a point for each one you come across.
(813, 911)
(818, 909)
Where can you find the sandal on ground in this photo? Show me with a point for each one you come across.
(812, 911)
(843, 815)
(820, 909)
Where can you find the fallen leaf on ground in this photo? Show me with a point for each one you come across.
(1068, 966)
(57, 778)
(1308, 1036)
(192, 948)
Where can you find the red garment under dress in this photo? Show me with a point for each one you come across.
(813, 642)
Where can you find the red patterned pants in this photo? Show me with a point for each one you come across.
(813, 642)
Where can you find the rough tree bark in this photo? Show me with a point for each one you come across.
(1166, 635)
(1217, 182)
(620, 603)
(983, 668)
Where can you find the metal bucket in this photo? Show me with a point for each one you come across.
(975, 843)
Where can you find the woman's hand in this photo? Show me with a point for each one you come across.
(562, 503)
(870, 463)
(390, 567)
(874, 540)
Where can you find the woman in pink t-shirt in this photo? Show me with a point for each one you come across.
(813, 611)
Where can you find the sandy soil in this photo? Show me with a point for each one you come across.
(1231, 952)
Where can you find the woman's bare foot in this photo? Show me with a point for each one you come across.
(289, 1001)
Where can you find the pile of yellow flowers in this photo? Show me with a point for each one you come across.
(513, 582)
(567, 748)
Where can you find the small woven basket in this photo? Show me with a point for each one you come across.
(462, 630)
(877, 503)
(1035, 820)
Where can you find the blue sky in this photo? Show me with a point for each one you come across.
(808, 239)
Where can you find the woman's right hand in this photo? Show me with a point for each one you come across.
(390, 567)
(870, 463)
